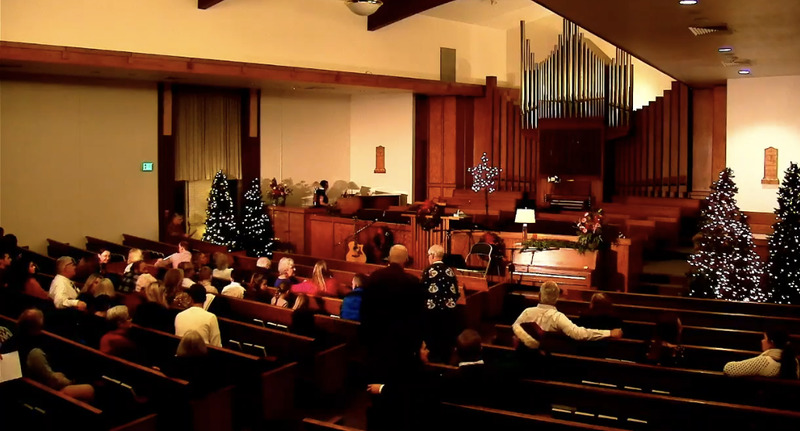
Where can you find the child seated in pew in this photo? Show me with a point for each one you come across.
(321, 283)
(600, 314)
(204, 277)
(284, 297)
(351, 304)
(665, 346)
(258, 288)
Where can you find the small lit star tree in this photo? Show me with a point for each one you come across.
(256, 229)
(484, 177)
(220, 216)
(784, 243)
(724, 264)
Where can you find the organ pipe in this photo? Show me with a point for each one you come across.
(575, 81)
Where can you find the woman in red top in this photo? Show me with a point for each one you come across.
(321, 283)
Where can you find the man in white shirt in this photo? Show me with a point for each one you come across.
(195, 318)
(62, 290)
(183, 255)
(551, 320)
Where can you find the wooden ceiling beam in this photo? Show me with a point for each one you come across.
(205, 4)
(393, 11)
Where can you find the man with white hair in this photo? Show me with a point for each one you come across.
(549, 319)
(441, 294)
(391, 315)
(62, 290)
(117, 342)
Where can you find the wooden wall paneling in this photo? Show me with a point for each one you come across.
(421, 138)
(718, 141)
(683, 173)
(464, 139)
(483, 120)
(165, 164)
(501, 158)
(322, 235)
(251, 141)
(674, 140)
(494, 153)
(651, 144)
(702, 134)
(449, 155)
(658, 133)
(435, 146)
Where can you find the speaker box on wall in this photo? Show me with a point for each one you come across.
(447, 64)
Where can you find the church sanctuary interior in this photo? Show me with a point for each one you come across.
(399, 215)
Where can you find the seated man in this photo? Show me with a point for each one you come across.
(62, 290)
(175, 259)
(549, 319)
(475, 382)
(195, 318)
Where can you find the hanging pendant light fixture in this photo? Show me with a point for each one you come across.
(363, 7)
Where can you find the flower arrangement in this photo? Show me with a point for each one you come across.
(279, 192)
(590, 231)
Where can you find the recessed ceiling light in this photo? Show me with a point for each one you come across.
(724, 49)
(687, 2)
(744, 71)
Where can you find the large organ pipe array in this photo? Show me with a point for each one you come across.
(577, 80)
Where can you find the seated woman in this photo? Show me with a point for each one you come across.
(192, 363)
(23, 279)
(665, 346)
(600, 314)
(155, 312)
(777, 360)
(31, 346)
(286, 271)
(321, 283)
(176, 296)
(221, 261)
(134, 255)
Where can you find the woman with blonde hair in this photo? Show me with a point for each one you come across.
(134, 255)
(91, 284)
(155, 312)
(321, 283)
(176, 296)
(222, 271)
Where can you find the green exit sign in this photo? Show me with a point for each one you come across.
(147, 166)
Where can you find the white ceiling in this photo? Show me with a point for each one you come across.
(499, 14)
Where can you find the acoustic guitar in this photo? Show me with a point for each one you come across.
(355, 252)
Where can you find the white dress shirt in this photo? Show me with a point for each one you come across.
(197, 319)
(552, 320)
(63, 292)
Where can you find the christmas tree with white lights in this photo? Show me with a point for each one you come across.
(256, 228)
(220, 216)
(784, 244)
(724, 264)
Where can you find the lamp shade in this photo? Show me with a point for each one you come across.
(363, 7)
(525, 215)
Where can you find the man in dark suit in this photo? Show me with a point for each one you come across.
(475, 382)
(391, 316)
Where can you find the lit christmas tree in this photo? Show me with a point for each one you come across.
(220, 216)
(724, 264)
(256, 229)
(784, 244)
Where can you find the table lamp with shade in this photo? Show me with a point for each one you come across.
(525, 216)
